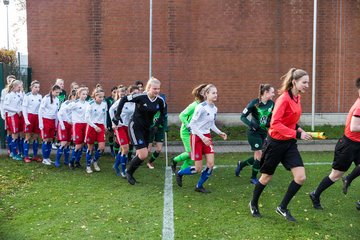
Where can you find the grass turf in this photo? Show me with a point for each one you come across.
(41, 202)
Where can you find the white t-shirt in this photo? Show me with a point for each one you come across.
(96, 113)
(204, 119)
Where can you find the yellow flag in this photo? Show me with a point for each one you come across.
(317, 135)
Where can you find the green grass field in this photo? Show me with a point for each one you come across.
(41, 202)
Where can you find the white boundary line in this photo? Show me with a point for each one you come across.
(168, 212)
(306, 164)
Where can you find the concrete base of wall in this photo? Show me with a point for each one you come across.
(233, 119)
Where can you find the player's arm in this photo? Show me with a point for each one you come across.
(163, 113)
(244, 117)
(106, 116)
(42, 108)
(88, 116)
(195, 128)
(61, 116)
(25, 105)
(186, 114)
(355, 121)
(112, 111)
(129, 98)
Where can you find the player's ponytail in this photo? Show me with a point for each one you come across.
(72, 94)
(10, 85)
(292, 74)
(53, 88)
(262, 89)
(196, 92)
(13, 84)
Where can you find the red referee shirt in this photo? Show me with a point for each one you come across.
(354, 111)
(286, 114)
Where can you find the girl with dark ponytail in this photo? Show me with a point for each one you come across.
(48, 120)
(260, 109)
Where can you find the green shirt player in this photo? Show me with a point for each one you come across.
(260, 110)
(185, 118)
(109, 101)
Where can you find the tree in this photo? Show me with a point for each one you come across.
(8, 56)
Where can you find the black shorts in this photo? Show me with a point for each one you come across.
(346, 152)
(256, 139)
(139, 136)
(279, 151)
(157, 136)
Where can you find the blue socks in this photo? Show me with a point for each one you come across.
(203, 177)
(66, 155)
(88, 158)
(21, 145)
(35, 147)
(187, 171)
(123, 161)
(78, 155)
(46, 149)
(14, 145)
(9, 142)
(26, 149)
(48, 146)
(97, 155)
(59, 152)
(117, 163)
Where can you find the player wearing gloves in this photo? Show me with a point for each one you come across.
(260, 109)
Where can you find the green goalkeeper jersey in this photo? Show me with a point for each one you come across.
(186, 116)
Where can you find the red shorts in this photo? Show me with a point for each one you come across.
(64, 135)
(21, 123)
(34, 124)
(122, 136)
(13, 123)
(91, 135)
(49, 128)
(78, 133)
(198, 147)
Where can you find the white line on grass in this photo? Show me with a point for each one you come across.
(168, 216)
(307, 164)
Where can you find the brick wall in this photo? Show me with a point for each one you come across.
(234, 44)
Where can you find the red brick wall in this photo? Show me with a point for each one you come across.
(234, 44)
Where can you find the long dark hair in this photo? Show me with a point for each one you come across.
(262, 89)
(196, 92)
(53, 88)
